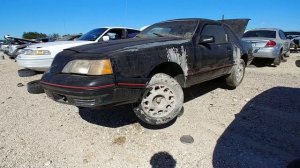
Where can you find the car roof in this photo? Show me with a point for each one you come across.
(119, 27)
(191, 19)
(272, 29)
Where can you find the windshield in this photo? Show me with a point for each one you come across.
(184, 29)
(92, 35)
(261, 33)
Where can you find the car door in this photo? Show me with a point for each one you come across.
(212, 56)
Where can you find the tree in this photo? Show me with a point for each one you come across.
(53, 36)
(33, 35)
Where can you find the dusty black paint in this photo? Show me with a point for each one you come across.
(135, 60)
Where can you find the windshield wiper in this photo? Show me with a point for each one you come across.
(159, 35)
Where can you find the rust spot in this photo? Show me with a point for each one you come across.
(120, 140)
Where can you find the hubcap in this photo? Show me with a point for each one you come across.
(239, 72)
(158, 101)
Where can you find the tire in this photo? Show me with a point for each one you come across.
(26, 72)
(162, 100)
(34, 87)
(237, 75)
(287, 54)
(277, 61)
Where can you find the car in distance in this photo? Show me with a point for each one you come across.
(294, 36)
(14, 45)
(149, 70)
(69, 37)
(268, 43)
(40, 56)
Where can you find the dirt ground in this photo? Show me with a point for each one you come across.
(256, 125)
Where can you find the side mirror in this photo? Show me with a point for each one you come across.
(105, 38)
(206, 39)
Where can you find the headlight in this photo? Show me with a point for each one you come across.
(89, 67)
(36, 52)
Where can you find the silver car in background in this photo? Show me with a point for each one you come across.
(268, 43)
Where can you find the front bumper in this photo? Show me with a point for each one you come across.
(266, 52)
(35, 62)
(92, 92)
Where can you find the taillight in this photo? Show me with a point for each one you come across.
(271, 43)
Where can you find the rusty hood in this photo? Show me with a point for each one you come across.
(237, 25)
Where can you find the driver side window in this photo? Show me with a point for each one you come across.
(115, 34)
(216, 31)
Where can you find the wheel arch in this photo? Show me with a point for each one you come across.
(170, 68)
(245, 58)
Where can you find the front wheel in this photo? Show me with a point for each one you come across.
(162, 100)
(237, 75)
(34, 87)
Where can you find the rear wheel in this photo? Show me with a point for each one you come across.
(26, 72)
(162, 100)
(237, 75)
(277, 61)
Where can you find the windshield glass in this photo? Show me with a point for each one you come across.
(183, 29)
(261, 33)
(92, 35)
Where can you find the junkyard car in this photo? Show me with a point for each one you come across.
(268, 43)
(15, 44)
(40, 56)
(294, 36)
(149, 70)
(4, 46)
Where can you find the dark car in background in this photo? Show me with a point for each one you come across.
(150, 70)
(294, 36)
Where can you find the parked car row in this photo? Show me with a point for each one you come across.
(112, 66)
(39, 57)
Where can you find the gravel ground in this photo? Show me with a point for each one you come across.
(256, 125)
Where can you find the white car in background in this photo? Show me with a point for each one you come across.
(39, 57)
(4, 47)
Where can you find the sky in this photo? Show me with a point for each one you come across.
(80, 16)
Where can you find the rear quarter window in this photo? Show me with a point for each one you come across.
(231, 35)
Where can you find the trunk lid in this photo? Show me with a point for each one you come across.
(237, 25)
